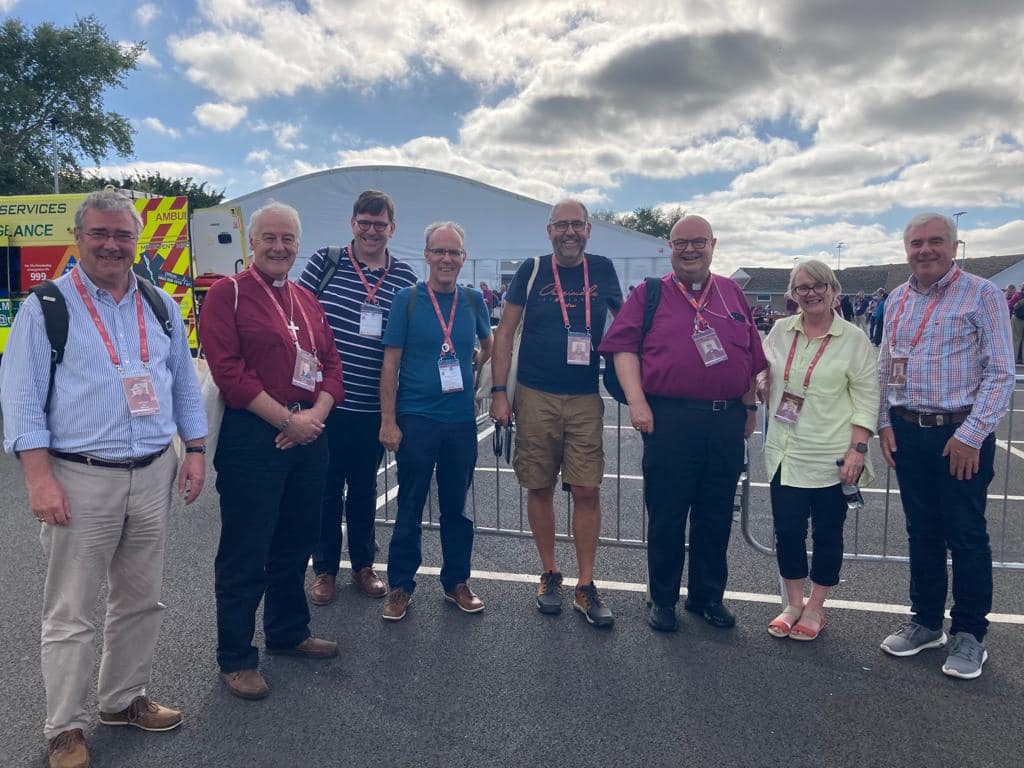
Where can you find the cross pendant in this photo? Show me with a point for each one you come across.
(292, 327)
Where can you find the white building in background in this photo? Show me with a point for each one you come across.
(502, 228)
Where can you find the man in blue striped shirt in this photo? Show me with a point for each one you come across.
(357, 301)
(99, 472)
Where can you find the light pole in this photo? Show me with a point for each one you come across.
(956, 220)
(839, 254)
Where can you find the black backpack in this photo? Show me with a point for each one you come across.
(611, 379)
(1018, 310)
(55, 318)
(330, 267)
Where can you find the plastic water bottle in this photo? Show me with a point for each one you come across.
(854, 498)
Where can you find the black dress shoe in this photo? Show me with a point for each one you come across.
(715, 614)
(663, 618)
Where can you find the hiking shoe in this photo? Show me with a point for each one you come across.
(588, 602)
(146, 714)
(396, 604)
(67, 750)
(911, 638)
(549, 593)
(966, 656)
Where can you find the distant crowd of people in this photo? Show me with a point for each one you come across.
(320, 376)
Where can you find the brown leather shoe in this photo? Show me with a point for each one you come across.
(396, 604)
(369, 582)
(144, 713)
(246, 684)
(463, 597)
(310, 648)
(67, 750)
(322, 591)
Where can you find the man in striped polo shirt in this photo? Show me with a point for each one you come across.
(357, 300)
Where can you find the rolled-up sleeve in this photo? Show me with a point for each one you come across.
(862, 376)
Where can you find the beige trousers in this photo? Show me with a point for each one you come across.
(118, 529)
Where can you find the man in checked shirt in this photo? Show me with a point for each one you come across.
(946, 372)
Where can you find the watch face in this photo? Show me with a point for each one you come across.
(861, 447)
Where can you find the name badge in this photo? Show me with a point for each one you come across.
(577, 350)
(306, 369)
(141, 395)
(371, 321)
(709, 347)
(451, 375)
(789, 408)
(898, 373)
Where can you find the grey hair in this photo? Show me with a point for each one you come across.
(432, 228)
(923, 218)
(819, 272)
(109, 201)
(274, 207)
(568, 201)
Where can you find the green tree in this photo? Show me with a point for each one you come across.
(198, 194)
(58, 73)
(656, 222)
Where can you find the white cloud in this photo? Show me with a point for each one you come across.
(7, 5)
(145, 13)
(219, 116)
(145, 59)
(168, 168)
(257, 156)
(154, 125)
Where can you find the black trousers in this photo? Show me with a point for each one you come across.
(826, 508)
(692, 462)
(269, 509)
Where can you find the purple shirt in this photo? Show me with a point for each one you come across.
(671, 365)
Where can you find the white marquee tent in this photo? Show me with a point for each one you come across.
(502, 228)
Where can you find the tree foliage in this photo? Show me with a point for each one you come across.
(656, 222)
(198, 194)
(62, 73)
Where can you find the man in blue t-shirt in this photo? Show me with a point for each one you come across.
(558, 410)
(427, 416)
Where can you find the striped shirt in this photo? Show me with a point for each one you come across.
(342, 299)
(89, 410)
(963, 360)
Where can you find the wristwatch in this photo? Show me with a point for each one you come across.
(860, 447)
(195, 449)
(752, 407)
(499, 388)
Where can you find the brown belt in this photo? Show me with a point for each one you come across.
(931, 419)
(92, 461)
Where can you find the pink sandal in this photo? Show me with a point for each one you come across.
(801, 631)
(782, 624)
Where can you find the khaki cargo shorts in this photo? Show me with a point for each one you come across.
(558, 432)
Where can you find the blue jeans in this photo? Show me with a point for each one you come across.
(943, 512)
(451, 449)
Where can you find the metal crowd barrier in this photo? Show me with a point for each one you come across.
(875, 533)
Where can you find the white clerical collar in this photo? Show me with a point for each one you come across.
(279, 283)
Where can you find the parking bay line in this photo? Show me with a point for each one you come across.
(746, 597)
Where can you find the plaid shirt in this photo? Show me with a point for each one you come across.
(963, 360)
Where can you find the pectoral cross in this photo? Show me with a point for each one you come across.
(292, 327)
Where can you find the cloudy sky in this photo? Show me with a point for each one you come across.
(792, 125)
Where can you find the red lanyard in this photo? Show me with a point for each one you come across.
(290, 325)
(561, 296)
(814, 361)
(698, 306)
(143, 339)
(924, 320)
(445, 329)
(371, 293)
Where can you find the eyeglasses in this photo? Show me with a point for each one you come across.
(378, 226)
(442, 252)
(805, 290)
(268, 238)
(562, 226)
(697, 243)
(120, 236)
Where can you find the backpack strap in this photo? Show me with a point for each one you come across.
(650, 305)
(152, 296)
(330, 267)
(55, 319)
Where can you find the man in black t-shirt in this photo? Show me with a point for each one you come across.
(559, 412)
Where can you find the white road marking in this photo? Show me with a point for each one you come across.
(1015, 451)
(746, 597)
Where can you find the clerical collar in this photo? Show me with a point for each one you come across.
(696, 286)
(279, 283)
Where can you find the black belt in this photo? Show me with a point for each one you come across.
(700, 405)
(931, 419)
(92, 461)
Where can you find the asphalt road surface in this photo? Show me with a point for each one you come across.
(510, 687)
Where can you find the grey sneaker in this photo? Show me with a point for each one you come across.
(588, 602)
(549, 593)
(911, 639)
(966, 657)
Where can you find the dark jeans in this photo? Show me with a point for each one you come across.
(269, 506)
(451, 448)
(826, 508)
(692, 462)
(353, 439)
(945, 513)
